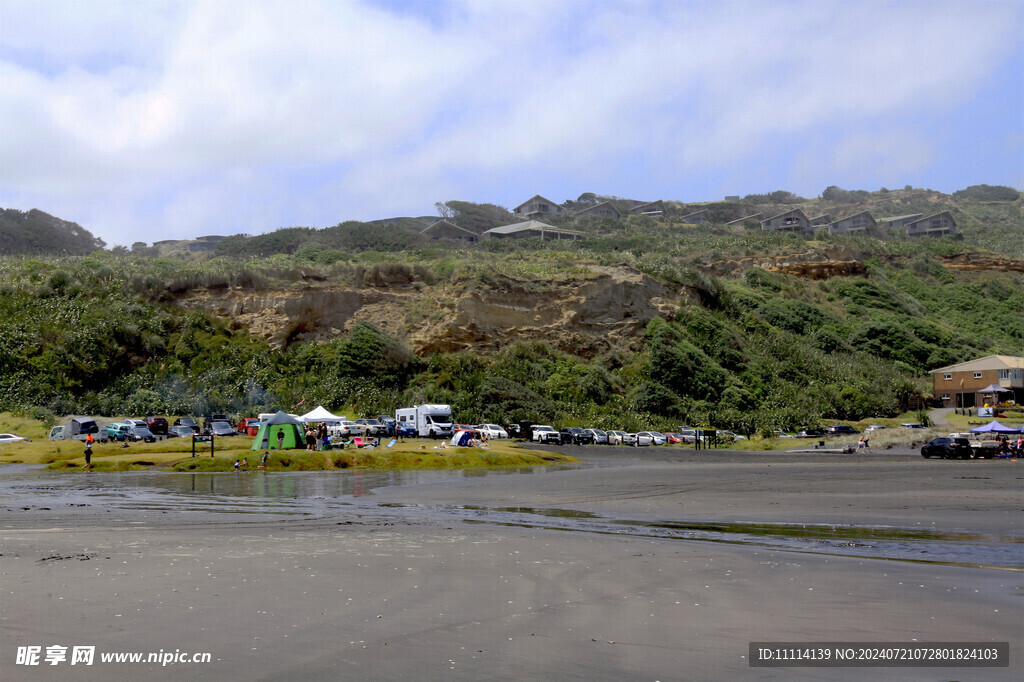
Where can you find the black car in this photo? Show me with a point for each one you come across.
(221, 428)
(142, 433)
(948, 448)
(180, 432)
(189, 422)
(842, 430)
(573, 435)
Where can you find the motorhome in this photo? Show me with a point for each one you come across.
(77, 428)
(429, 421)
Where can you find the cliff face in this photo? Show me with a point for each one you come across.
(597, 311)
(594, 312)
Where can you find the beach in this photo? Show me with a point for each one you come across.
(643, 564)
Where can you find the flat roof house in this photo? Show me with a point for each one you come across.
(793, 220)
(530, 228)
(443, 229)
(960, 385)
(932, 226)
(604, 209)
(537, 206)
(858, 222)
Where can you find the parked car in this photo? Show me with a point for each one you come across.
(649, 438)
(189, 422)
(119, 431)
(873, 427)
(158, 425)
(673, 438)
(245, 422)
(600, 437)
(135, 422)
(546, 434)
(142, 433)
(687, 435)
(180, 432)
(222, 428)
(347, 429)
(841, 430)
(521, 429)
(616, 437)
(730, 436)
(777, 433)
(373, 427)
(911, 425)
(406, 430)
(948, 448)
(573, 435)
(629, 438)
(492, 430)
(810, 433)
(387, 421)
(11, 438)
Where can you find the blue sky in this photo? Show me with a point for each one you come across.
(149, 120)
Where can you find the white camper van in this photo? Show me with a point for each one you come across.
(429, 421)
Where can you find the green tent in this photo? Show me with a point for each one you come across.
(280, 423)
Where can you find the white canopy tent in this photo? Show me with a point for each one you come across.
(320, 415)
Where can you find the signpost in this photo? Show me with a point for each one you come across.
(202, 439)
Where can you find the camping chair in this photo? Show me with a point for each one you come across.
(358, 441)
(392, 443)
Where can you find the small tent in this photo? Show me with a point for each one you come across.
(283, 423)
(995, 427)
(460, 438)
(320, 415)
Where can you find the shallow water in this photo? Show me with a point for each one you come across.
(332, 495)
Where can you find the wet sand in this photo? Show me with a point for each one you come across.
(404, 592)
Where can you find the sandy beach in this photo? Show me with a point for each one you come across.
(609, 571)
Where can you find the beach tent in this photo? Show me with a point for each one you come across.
(282, 422)
(320, 415)
(460, 438)
(995, 427)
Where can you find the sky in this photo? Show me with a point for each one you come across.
(147, 120)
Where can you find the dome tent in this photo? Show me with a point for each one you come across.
(282, 422)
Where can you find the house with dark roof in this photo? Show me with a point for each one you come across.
(701, 216)
(793, 220)
(530, 228)
(858, 222)
(932, 226)
(651, 208)
(444, 229)
(537, 206)
(604, 209)
(899, 220)
(747, 220)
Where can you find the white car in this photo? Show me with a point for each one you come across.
(11, 438)
(546, 434)
(600, 437)
(616, 437)
(492, 430)
(650, 438)
(873, 427)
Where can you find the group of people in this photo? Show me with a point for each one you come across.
(317, 437)
(243, 464)
(1009, 446)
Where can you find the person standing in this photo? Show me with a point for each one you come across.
(280, 439)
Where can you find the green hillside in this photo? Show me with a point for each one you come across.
(37, 233)
(768, 330)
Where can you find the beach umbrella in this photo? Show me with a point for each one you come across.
(995, 427)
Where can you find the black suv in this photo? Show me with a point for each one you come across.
(573, 435)
(948, 448)
(189, 422)
(842, 430)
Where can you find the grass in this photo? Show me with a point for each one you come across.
(176, 454)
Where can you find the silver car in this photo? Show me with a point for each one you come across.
(600, 437)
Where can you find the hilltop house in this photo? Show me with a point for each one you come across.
(823, 219)
(701, 216)
(651, 208)
(793, 220)
(443, 229)
(748, 220)
(899, 220)
(537, 206)
(932, 226)
(605, 209)
(858, 222)
(962, 385)
(530, 228)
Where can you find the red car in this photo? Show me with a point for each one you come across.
(243, 424)
(673, 438)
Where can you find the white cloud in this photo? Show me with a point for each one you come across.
(184, 118)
